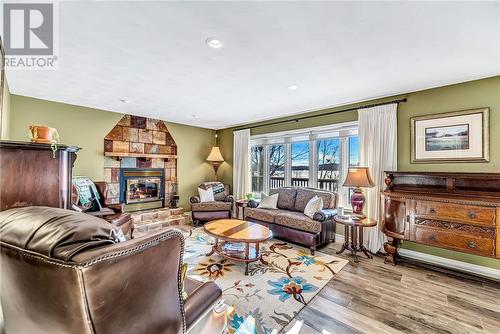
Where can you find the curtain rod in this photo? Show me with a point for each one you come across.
(324, 114)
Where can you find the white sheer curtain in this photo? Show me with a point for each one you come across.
(378, 152)
(241, 163)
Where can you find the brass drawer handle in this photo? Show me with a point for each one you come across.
(472, 244)
(432, 210)
(472, 215)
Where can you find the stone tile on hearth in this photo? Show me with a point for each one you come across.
(159, 138)
(143, 163)
(145, 136)
(156, 163)
(107, 175)
(115, 175)
(151, 149)
(137, 148)
(120, 146)
(125, 121)
(112, 200)
(167, 174)
(138, 122)
(115, 134)
(108, 145)
(128, 163)
(163, 149)
(111, 162)
(130, 134)
(153, 124)
(169, 163)
(113, 190)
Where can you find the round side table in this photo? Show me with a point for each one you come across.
(241, 204)
(353, 235)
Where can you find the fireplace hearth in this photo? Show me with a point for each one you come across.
(142, 188)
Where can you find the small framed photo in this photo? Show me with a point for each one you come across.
(451, 137)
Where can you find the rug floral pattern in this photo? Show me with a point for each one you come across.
(275, 290)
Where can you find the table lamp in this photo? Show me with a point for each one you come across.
(358, 177)
(215, 158)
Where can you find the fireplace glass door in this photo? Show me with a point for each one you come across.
(142, 190)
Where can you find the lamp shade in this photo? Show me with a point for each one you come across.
(215, 155)
(358, 177)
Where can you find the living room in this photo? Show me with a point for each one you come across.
(250, 167)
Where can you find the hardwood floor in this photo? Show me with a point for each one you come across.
(373, 297)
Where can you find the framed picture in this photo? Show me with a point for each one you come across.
(451, 137)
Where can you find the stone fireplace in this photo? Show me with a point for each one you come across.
(140, 164)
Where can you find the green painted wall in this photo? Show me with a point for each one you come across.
(86, 128)
(468, 95)
(5, 119)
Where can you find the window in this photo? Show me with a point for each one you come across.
(300, 164)
(317, 157)
(276, 166)
(328, 164)
(257, 168)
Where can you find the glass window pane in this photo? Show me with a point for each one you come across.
(300, 164)
(353, 152)
(257, 169)
(276, 166)
(328, 163)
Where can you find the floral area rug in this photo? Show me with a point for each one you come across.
(274, 291)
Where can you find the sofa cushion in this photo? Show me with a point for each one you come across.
(305, 195)
(298, 220)
(266, 215)
(211, 206)
(286, 198)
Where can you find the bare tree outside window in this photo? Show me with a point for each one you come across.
(328, 163)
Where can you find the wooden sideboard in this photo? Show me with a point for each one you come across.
(457, 211)
(31, 175)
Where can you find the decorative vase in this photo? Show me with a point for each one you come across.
(43, 134)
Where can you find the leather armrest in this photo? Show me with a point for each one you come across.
(325, 214)
(252, 203)
(194, 199)
(201, 297)
(229, 198)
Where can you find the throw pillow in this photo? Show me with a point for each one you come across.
(206, 195)
(268, 201)
(314, 205)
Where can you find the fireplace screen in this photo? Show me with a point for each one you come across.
(143, 190)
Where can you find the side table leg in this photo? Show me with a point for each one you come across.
(345, 245)
(361, 246)
(247, 251)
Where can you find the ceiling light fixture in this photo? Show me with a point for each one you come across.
(293, 87)
(214, 43)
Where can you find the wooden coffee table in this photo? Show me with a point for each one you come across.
(233, 238)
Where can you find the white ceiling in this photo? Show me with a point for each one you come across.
(154, 55)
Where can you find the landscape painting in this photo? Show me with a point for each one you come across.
(454, 137)
(450, 137)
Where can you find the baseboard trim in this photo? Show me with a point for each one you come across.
(444, 262)
(452, 264)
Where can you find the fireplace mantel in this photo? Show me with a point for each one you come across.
(139, 155)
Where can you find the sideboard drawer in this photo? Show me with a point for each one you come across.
(466, 213)
(455, 240)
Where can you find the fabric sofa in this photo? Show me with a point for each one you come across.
(221, 208)
(289, 222)
(68, 272)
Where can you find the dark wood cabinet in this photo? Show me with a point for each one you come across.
(31, 175)
(457, 211)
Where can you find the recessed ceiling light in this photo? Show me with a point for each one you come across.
(124, 101)
(214, 43)
(293, 87)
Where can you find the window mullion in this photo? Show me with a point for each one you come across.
(288, 164)
(265, 187)
(344, 166)
(313, 163)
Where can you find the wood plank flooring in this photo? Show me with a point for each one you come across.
(373, 297)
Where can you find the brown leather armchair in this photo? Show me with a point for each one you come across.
(65, 272)
(221, 208)
(112, 213)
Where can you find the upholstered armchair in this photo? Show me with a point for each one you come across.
(68, 272)
(221, 208)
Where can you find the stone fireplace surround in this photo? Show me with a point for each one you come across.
(139, 142)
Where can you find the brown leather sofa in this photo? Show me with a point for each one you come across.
(112, 213)
(65, 272)
(221, 208)
(288, 221)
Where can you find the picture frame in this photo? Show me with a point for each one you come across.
(460, 136)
